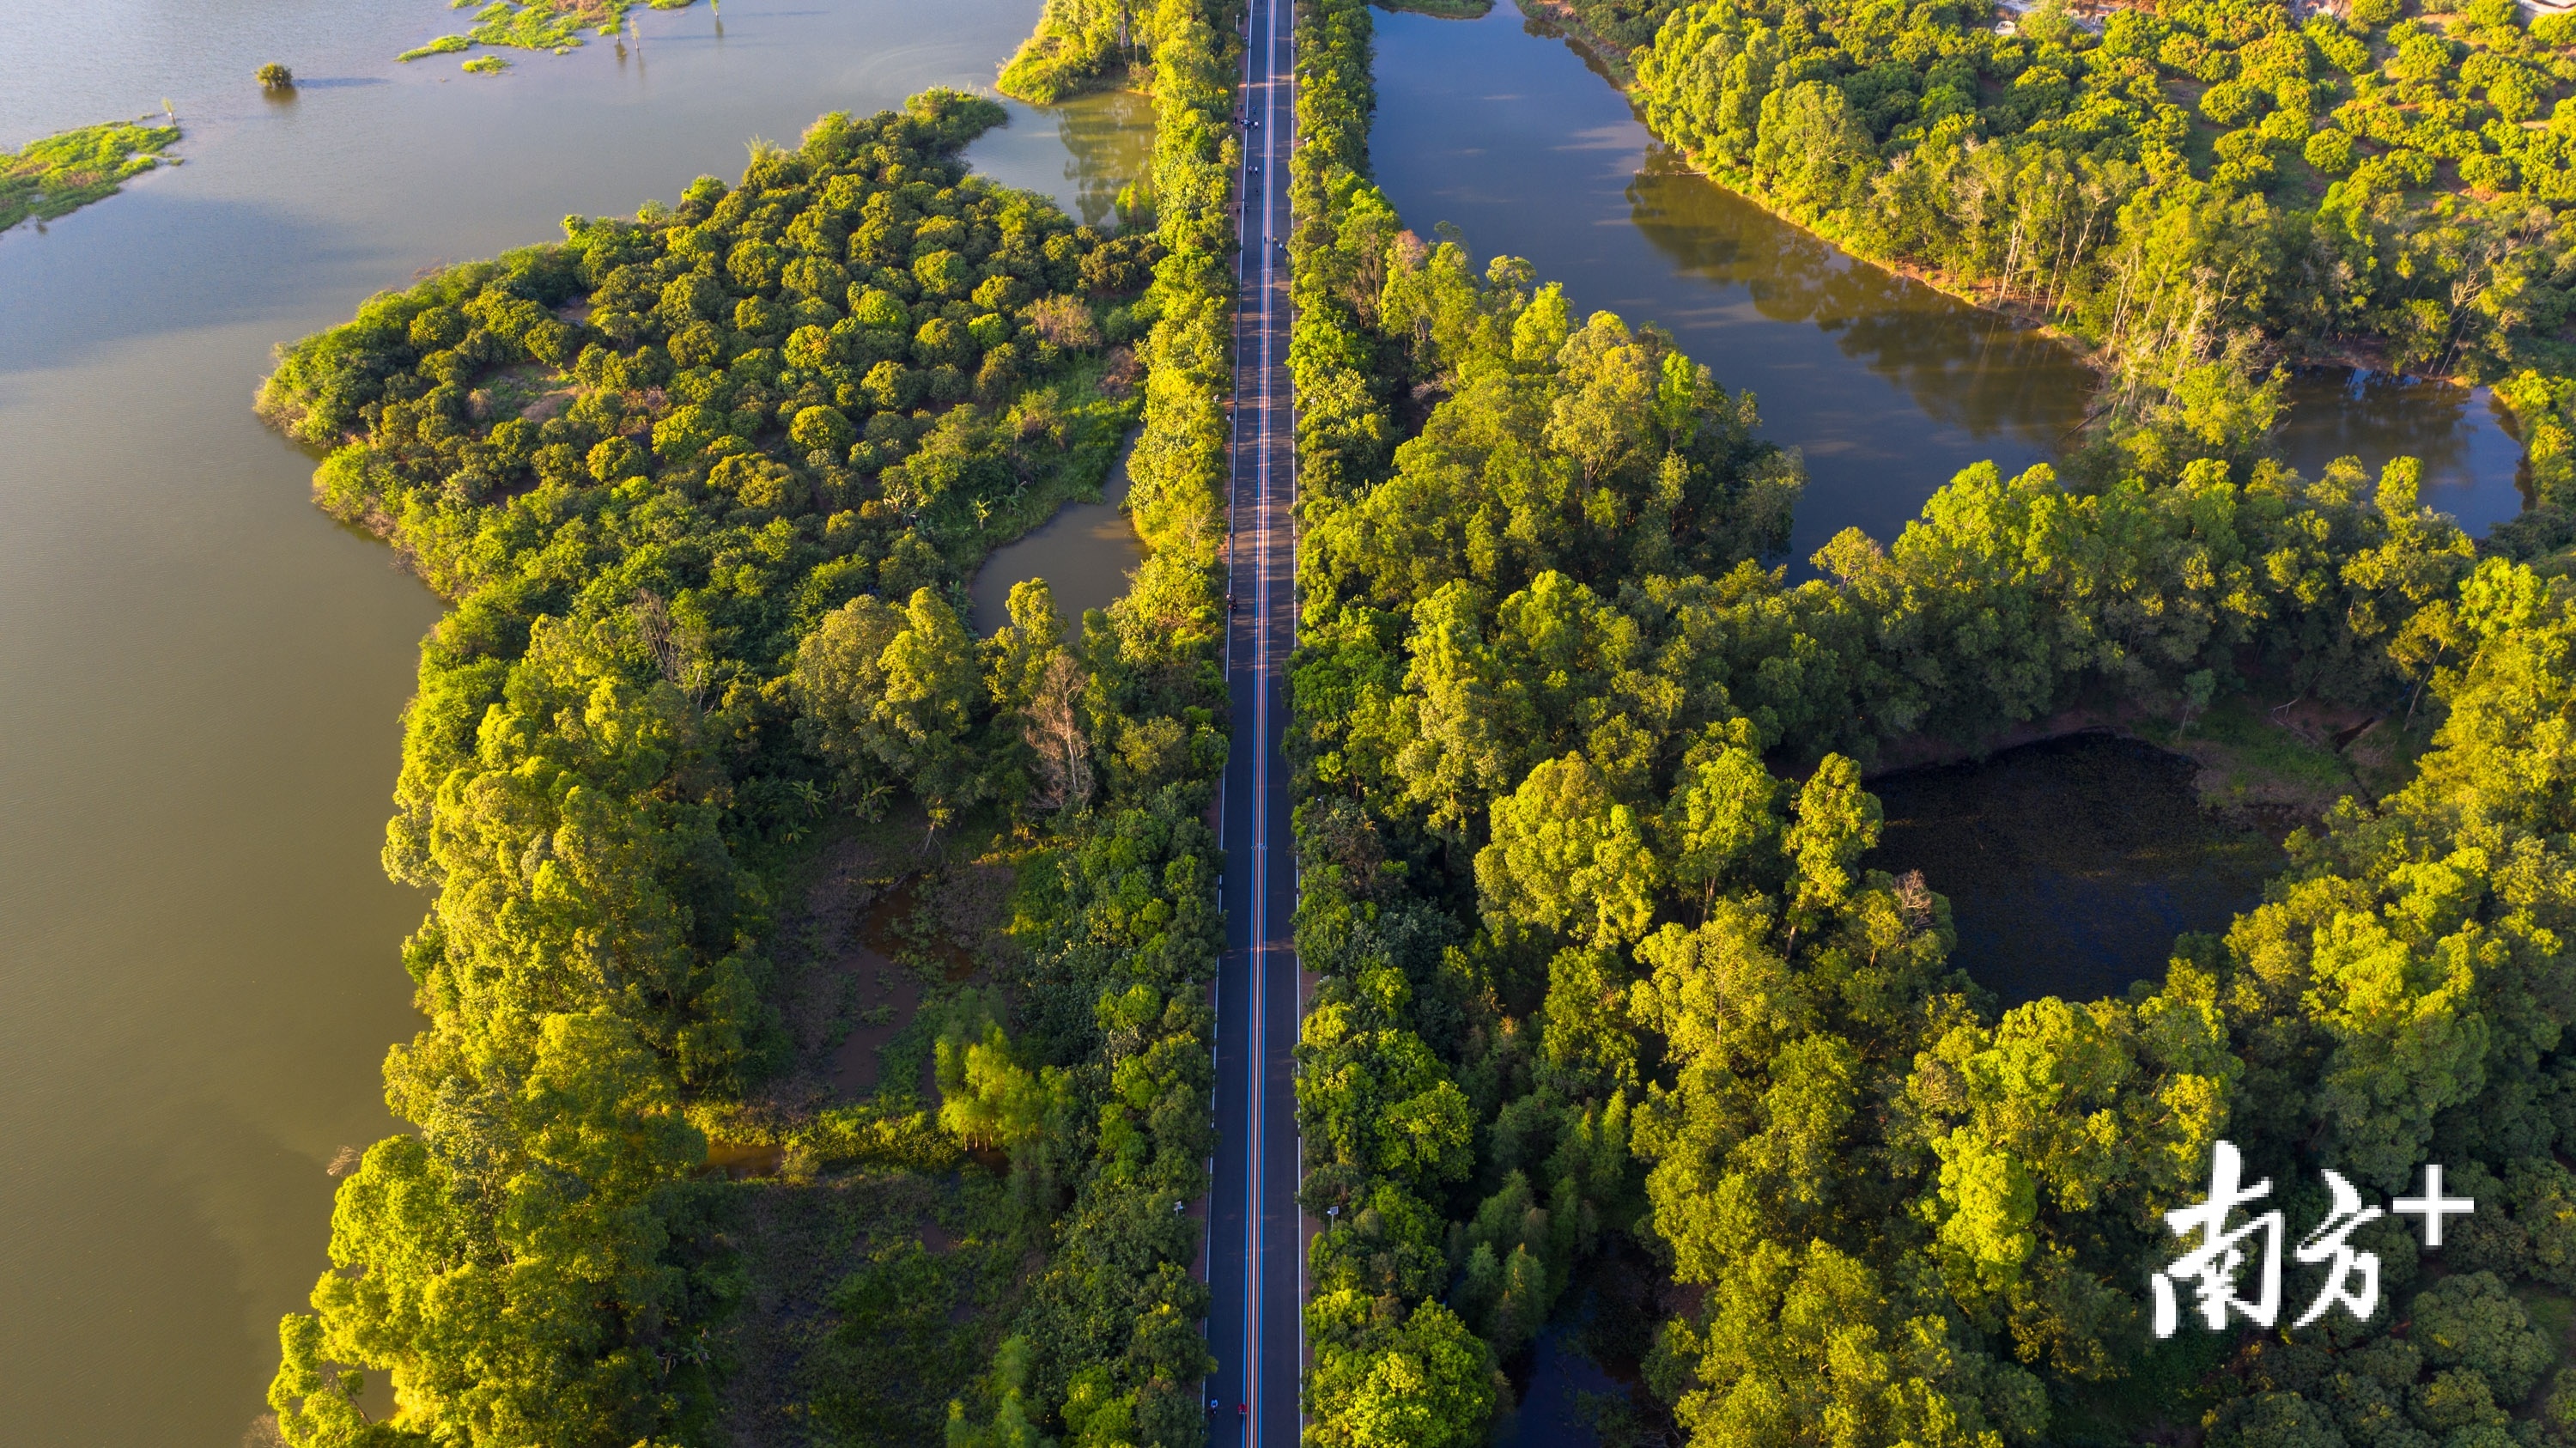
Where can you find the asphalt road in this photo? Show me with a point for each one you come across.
(1255, 1271)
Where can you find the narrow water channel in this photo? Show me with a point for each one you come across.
(1887, 387)
(201, 677)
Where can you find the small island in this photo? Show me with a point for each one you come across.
(555, 26)
(62, 173)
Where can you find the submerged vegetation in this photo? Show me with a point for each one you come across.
(703, 487)
(62, 173)
(1609, 981)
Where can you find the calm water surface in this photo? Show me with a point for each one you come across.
(201, 676)
(1887, 386)
(1085, 553)
(2070, 865)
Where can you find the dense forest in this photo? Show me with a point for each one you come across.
(1616, 1023)
(62, 173)
(1613, 1007)
(703, 488)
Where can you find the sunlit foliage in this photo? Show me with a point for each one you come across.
(63, 173)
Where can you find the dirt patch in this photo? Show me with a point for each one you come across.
(935, 1239)
(879, 923)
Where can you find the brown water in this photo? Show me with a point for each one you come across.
(1085, 553)
(201, 677)
(1888, 387)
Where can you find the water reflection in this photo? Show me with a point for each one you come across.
(1085, 553)
(2070, 865)
(1082, 152)
(1961, 367)
(2472, 460)
(1887, 386)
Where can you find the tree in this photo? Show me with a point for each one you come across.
(1837, 823)
(1719, 818)
(275, 77)
(1567, 855)
(1427, 1383)
(2472, 1321)
(1035, 680)
(839, 682)
(928, 709)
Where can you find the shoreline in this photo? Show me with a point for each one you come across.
(1604, 60)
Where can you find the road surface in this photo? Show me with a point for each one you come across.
(1254, 1271)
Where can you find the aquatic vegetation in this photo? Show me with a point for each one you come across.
(486, 65)
(443, 45)
(550, 25)
(63, 173)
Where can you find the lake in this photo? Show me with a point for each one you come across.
(201, 676)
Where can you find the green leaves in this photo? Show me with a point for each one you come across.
(1423, 1382)
(61, 173)
(1804, 1346)
(1837, 823)
(651, 466)
(1566, 854)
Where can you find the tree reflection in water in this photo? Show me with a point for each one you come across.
(1964, 368)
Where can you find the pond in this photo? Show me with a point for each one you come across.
(201, 677)
(1085, 553)
(2070, 865)
(1887, 386)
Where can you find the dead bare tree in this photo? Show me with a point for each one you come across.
(679, 650)
(1054, 730)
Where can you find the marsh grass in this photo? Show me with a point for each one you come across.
(549, 25)
(63, 173)
(443, 45)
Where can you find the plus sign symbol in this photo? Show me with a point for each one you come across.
(2432, 1206)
